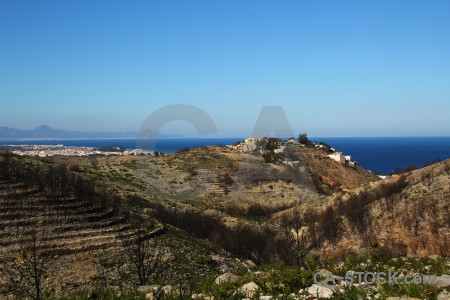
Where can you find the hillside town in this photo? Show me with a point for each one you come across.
(258, 144)
(53, 150)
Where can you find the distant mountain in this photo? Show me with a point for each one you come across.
(45, 132)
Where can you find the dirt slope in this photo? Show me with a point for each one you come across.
(409, 215)
(330, 176)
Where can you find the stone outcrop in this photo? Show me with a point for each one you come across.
(322, 290)
(148, 288)
(444, 296)
(443, 281)
(224, 278)
(402, 298)
(250, 289)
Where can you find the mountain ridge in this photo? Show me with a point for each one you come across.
(46, 132)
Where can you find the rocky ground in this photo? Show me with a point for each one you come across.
(282, 282)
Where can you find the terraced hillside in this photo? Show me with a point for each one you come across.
(69, 226)
(222, 178)
(81, 235)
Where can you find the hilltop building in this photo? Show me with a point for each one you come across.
(343, 159)
(249, 144)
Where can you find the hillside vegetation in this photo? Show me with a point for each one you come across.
(346, 207)
(304, 209)
(60, 233)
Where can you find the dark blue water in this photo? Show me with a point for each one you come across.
(383, 154)
(380, 154)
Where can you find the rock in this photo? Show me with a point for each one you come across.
(223, 268)
(359, 284)
(201, 296)
(443, 281)
(280, 286)
(265, 297)
(325, 273)
(218, 258)
(250, 264)
(148, 288)
(344, 284)
(328, 277)
(168, 290)
(444, 296)
(250, 289)
(322, 290)
(227, 277)
(402, 298)
(149, 296)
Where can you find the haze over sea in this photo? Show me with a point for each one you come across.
(378, 154)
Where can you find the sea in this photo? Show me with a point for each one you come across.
(379, 154)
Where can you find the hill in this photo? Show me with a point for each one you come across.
(408, 214)
(224, 178)
(45, 132)
(78, 234)
(405, 215)
(347, 207)
(214, 192)
(298, 208)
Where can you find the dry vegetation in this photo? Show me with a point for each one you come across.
(215, 192)
(255, 210)
(407, 214)
(56, 227)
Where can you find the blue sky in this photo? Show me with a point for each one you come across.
(338, 68)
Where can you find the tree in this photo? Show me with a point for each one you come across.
(428, 163)
(410, 168)
(183, 150)
(328, 224)
(271, 144)
(406, 169)
(296, 233)
(326, 147)
(143, 253)
(272, 157)
(26, 274)
(303, 139)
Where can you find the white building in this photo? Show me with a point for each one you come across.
(249, 144)
(343, 159)
(337, 156)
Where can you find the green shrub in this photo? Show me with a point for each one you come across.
(311, 260)
(349, 261)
